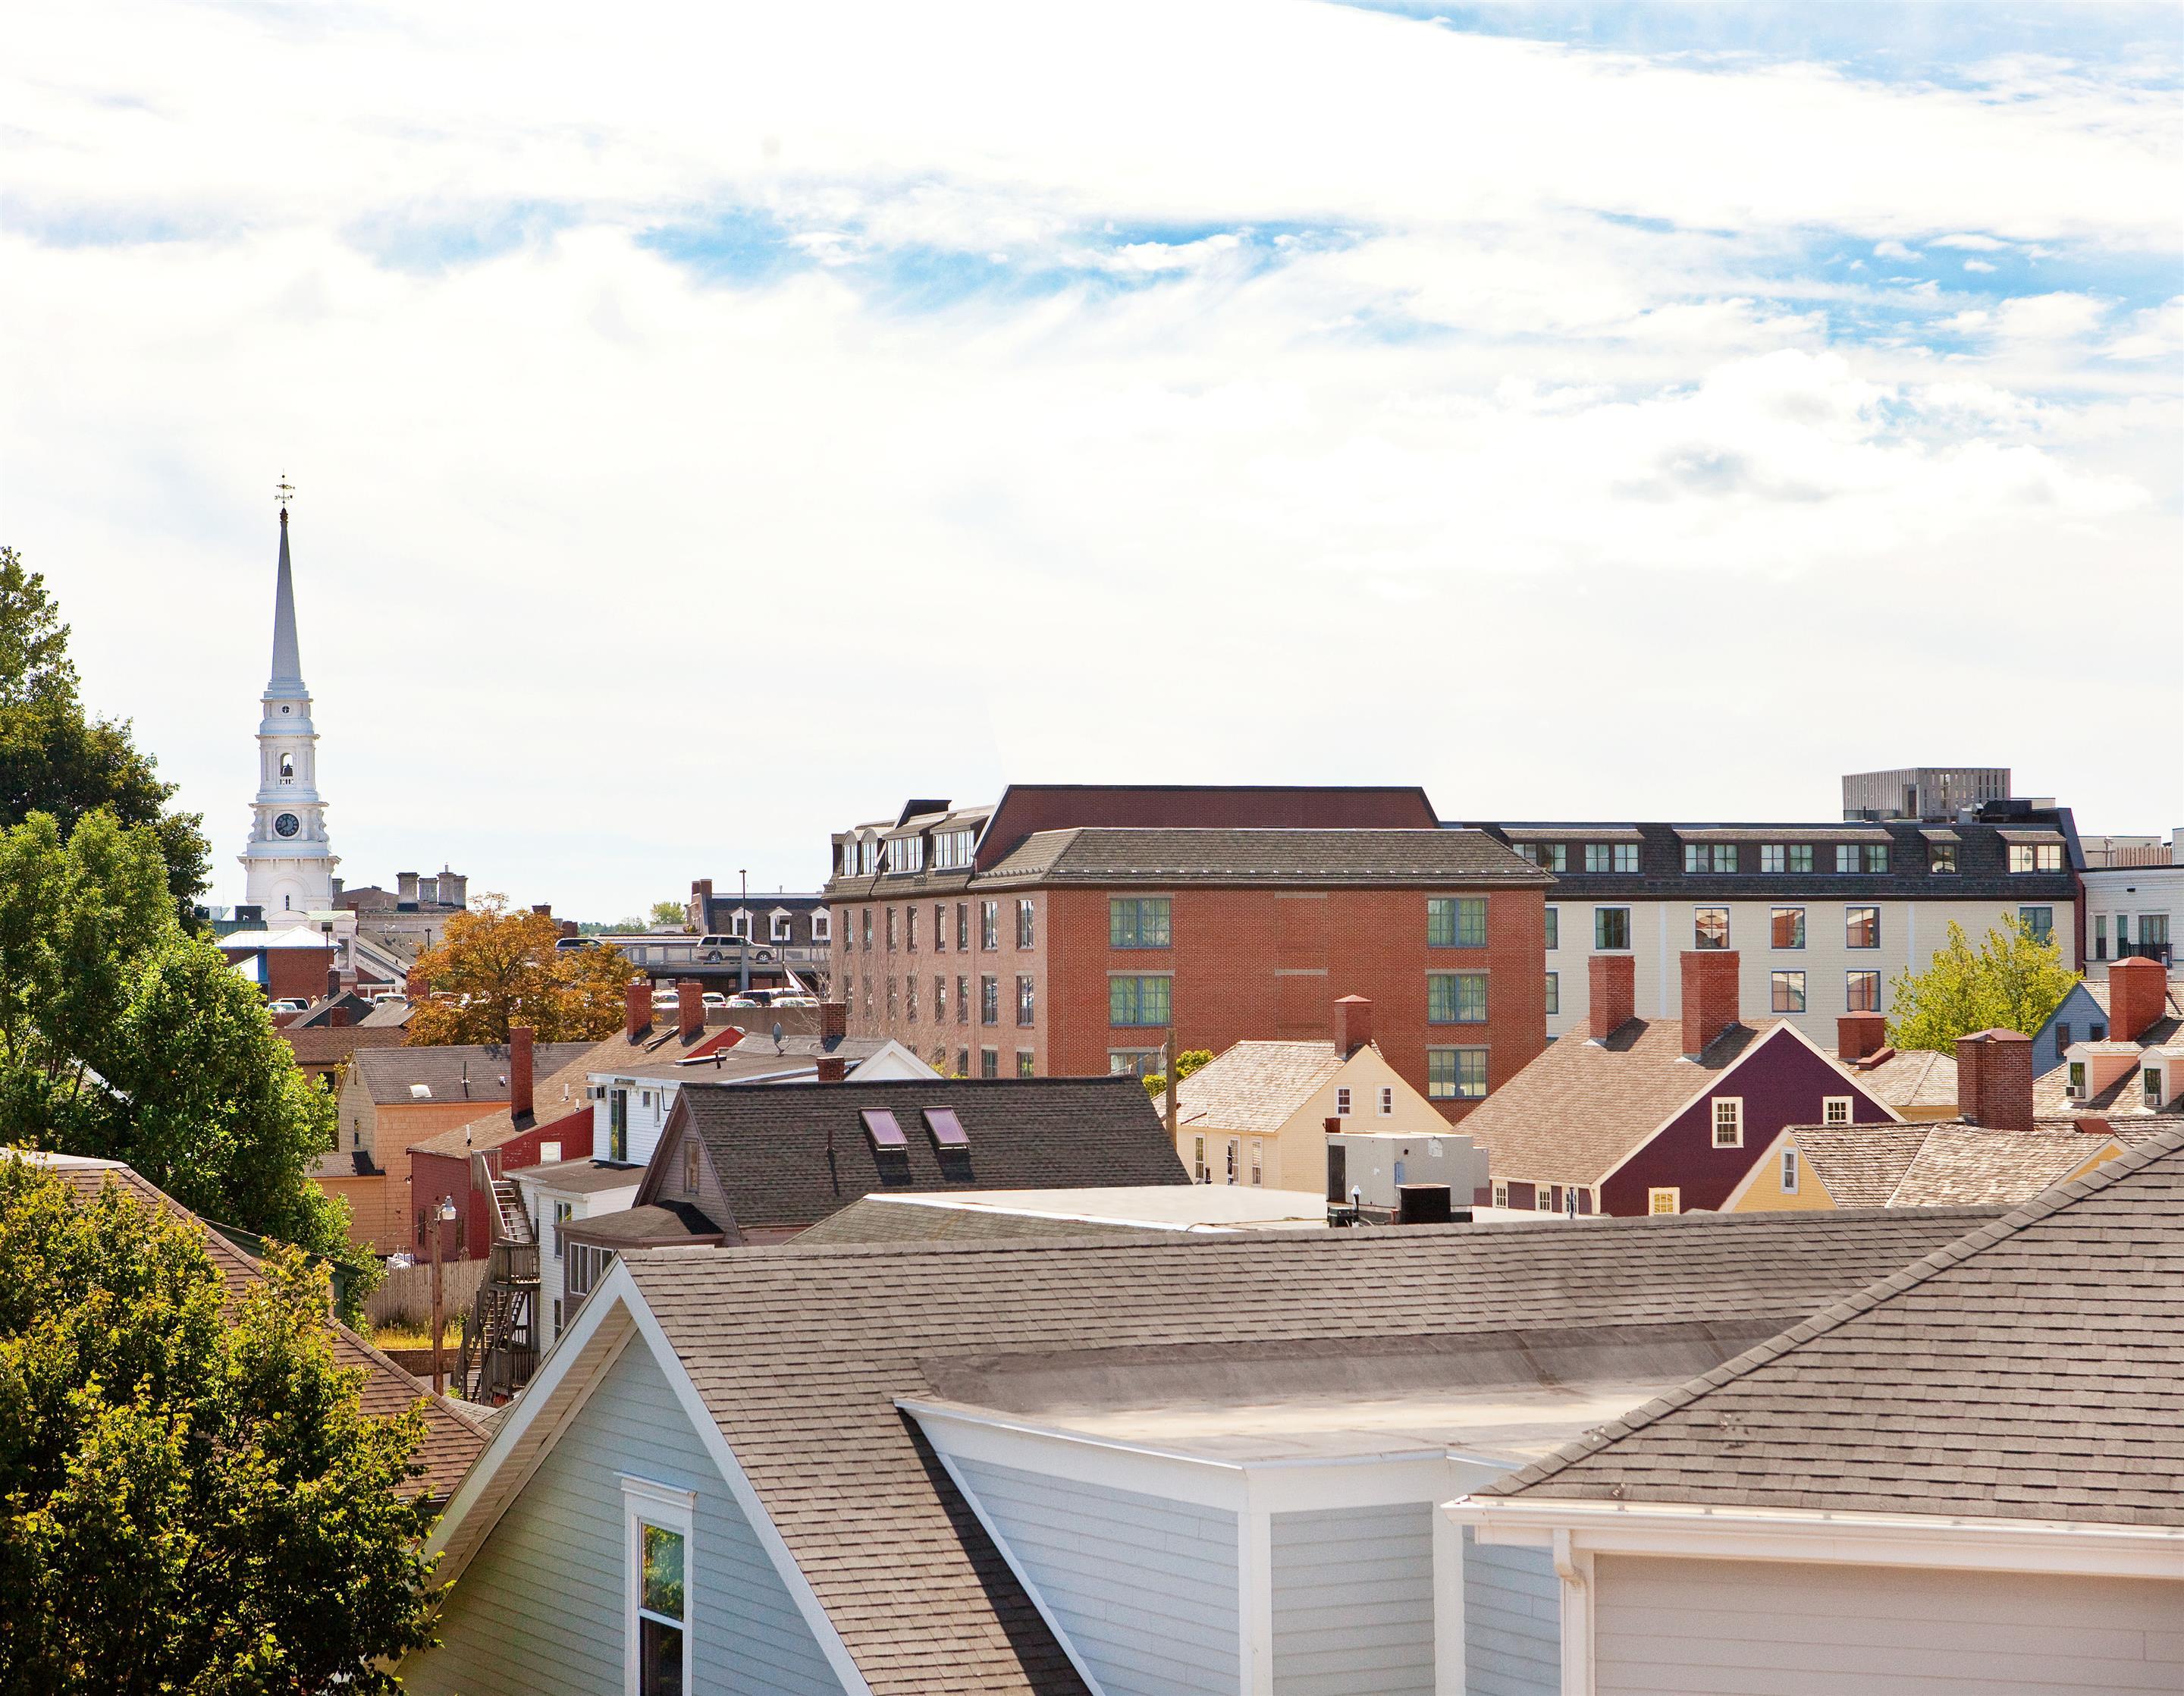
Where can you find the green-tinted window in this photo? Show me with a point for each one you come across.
(1456, 997)
(1554, 927)
(1456, 922)
(1137, 921)
(1458, 1073)
(1138, 1001)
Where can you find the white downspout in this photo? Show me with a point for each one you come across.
(1577, 1618)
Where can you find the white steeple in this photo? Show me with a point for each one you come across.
(288, 864)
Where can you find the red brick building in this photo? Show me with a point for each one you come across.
(1063, 930)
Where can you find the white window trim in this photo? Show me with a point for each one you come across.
(1829, 1104)
(1387, 1101)
(1342, 1100)
(1676, 1195)
(1789, 1174)
(646, 1503)
(1714, 1105)
(1500, 1194)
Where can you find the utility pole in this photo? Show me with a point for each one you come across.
(1167, 1061)
(743, 954)
(439, 1378)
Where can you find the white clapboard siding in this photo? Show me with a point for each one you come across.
(1354, 1601)
(540, 1609)
(1511, 1621)
(1143, 1589)
(1777, 1628)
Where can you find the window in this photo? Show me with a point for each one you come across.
(563, 1213)
(781, 928)
(1861, 856)
(1130, 1000)
(617, 1124)
(906, 854)
(989, 1061)
(2031, 857)
(867, 914)
(1387, 1101)
(1876, 856)
(989, 1000)
(822, 925)
(1258, 1161)
(868, 856)
(587, 1266)
(989, 924)
(557, 1316)
(1787, 928)
(2123, 932)
(1611, 927)
(1456, 997)
(891, 1000)
(740, 925)
(940, 927)
(1543, 1199)
(1554, 992)
(2041, 922)
(1862, 992)
(1729, 1122)
(1788, 990)
(1554, 927)
(1024, 1064)
(1135, 1063)
(658, 1646)
(1861, 927)
(1553, 856)
(962, 1063)
(909, 928)
(1771, 857)
(689, 1165)
(1137, 921)
(963, 1002)
(1024, 1007)
(2076, 1088)
(1456, 1075)
(1023, 922)
(2062, 1039)
(1342, 1100)
(951, 848)
(1694, 857)
(1718, 856)
(1611, 857)
(2100, 936)
(1709, 927)
(1198, 1172)
(287, 764)
(1596, 856)
(1835, 1110)
(2153, 1095)
(1942, 858)
(2153, 929)
(1664, 1200)
(963, 927)
(1626, 856)
(890, 930)
(1456, 922)
(1800, 855)
(1233, 1145)
(1789, 1171)
(1501, 1194)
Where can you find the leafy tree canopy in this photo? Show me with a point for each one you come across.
(192, 1499)
(124, 1038)
(495, 967)
(669, 912)
(2011, 982)
(56, 760)
(1185, 1063)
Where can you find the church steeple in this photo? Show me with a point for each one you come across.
(287, 678)
(288, 861)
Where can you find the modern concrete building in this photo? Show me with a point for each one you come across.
(1928, 792)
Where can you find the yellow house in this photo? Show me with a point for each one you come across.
(1933, 1165)
(1258, 1114)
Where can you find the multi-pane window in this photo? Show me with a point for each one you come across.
(1786, 927)
(1709, 927)
(2155, 1098)
(1861, 927)
(940, 1000)
(891, 1000)
(1024, 923)
(1789, 991)
(963, 1001)
(1942, 857)
(1800, 855)
(1130, 1000)
(989, 1061)
(890, 929)
(1024, 1007)
(1861, 856)
(1789, 1171)
(910, 928)
(868, 856)
(939, 927)
(951, 848)
(1596, 856)
(1456, 922)
(1664, 1200)
(1456, 1075)
(2153, 929)
(2041, 922)
(1611, 927)
(962, 1063)
(963, 927)
(1554, 992)
(1772, 858)
(1024, 1064)
(1135, 1063)
(989, 1000)
(1728, 1122)
(1342, 1100)
(587, 1266)
(663, 1653)
(822, 925)
(1835, 1109)
(1137, 921)
(1554, 927)
(2035, 856)
(1456, 997)
(989, 924)
(1717, 857)
(1387, 1101)
(1198, 1172)
(1552, 857)
(1862, 992)
(2076, 1086)
(2100, 936)
(867, 916)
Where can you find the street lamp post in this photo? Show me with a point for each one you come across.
(443, 1210)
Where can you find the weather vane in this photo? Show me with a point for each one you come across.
(283, 493)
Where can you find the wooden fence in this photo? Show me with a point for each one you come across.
(404, 1296)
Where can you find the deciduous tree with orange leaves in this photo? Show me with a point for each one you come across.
(495, 967)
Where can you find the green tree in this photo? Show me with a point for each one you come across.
(2011, 982)
(1185, 1063)
(55, 759)
(124, 1038)
(192, 1499)
(670, 913)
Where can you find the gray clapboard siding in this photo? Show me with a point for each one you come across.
(1354, 1601)
(1778, 1628)
(1145, 1590)
(1511, 1621)
(540, 1607)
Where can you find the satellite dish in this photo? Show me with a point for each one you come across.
(776, 1033)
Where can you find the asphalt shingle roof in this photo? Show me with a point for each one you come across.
(1860, 1165)
(2033, 1369)
(454, 1071)
(799, 1355)
(1255, 1087)
(1100, 854)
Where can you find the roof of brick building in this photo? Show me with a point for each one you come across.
(1099, 855)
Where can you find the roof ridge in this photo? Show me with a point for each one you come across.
(1973, 1243)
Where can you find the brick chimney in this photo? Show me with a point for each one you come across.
(1860, 1035)
(2138, 994)
(519, 1071)
(338, 1018)
(1614, 995)
(1353, 1023)
(833, 1068)
(689, 1008)
(1709, 996)
(833, 1021)
(405, 886)
(636, 1009)
(333, 981)
(543, 909)
(1994, 1080)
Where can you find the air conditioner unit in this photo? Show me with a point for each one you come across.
(595, 1092)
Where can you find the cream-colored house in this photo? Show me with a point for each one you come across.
(1258, 1114)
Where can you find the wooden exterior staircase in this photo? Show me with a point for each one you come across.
(500, 1343)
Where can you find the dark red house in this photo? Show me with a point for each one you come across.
(1654, 1116)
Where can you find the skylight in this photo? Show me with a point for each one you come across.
(886, 1135)
(947, 1130)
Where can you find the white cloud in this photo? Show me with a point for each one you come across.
(1893, 250)
(1977, 265)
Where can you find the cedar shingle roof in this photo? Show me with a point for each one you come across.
(454, 1071)
(1576, 1111)
(1911, 1078)
(1860, 1165)
(791, 1154)
(1106, 855)
(1942, 1164)
(1254, 1087)
(2034, 1370)
(454, 1438)
(799, 1353)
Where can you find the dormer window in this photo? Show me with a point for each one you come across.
(780, 928)
(951, 848)
(906, 854)
(822, 925)
(740, 925)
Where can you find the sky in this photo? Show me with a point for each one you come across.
(714, 424)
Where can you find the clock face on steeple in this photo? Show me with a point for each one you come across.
(286, 825)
